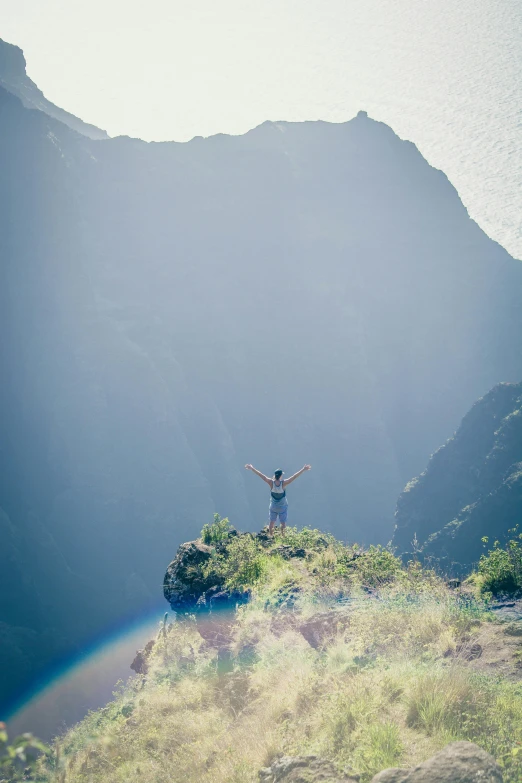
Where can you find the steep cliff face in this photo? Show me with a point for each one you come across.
(305, 292)
(14, 78)
(472, 486)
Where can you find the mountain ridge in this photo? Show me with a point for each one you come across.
(14, 78)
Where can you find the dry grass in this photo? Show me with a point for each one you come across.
(380, 690)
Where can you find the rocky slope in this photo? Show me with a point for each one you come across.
(472, 487)
(169, 312)
(342, 664)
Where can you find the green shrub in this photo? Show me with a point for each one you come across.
(242, 565)
(18, 760)
(384, 748)
(217, 532)
(377, 566)
(308, 538)
(500, 570)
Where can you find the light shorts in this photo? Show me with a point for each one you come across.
(278, 511)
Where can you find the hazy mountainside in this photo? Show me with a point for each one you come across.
(13, 77)
(305, 292)
(472, 486)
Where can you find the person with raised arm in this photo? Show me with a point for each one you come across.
(278, 501)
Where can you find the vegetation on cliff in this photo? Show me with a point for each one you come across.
(339, 651)
(500, 570)
(471, 489)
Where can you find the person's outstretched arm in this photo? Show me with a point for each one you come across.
(258, 473)
(296, 475)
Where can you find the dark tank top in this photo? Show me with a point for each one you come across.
(277, 495)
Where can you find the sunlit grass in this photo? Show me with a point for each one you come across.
(382, 687)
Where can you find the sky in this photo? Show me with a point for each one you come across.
(447, 75)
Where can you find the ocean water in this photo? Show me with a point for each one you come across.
(450, 79)
(446, 75)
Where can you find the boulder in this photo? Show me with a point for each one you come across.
(513, 629)
(303, 769)
(393, 775)
(140, 663)
(507, 610)
(185, 581)
(458, 762)
(264, 537)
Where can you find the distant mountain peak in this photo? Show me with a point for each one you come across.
(12, 61)
(14, 78)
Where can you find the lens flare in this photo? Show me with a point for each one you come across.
(83, 683)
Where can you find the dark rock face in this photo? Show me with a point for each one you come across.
(508, 611)
(136, 374)
(464, 762)
(471, 488)
(140, 663)
(188, 588)
(303, 769)
(184, 583)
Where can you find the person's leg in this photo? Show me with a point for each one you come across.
(282, 520)
(273, 517)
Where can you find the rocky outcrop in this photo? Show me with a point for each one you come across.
(471, 488)
(508, 610)
(185, 581)
(188, 586)
(458, 762)
(303, 769)
(140, 664)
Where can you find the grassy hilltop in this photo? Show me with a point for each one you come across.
(339, 651)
